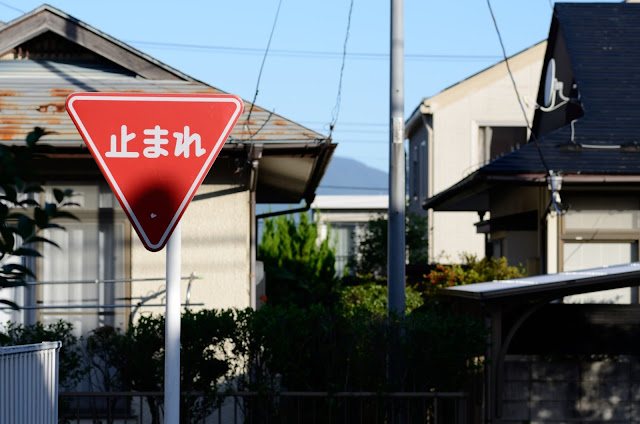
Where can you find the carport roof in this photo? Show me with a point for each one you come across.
(550, 286)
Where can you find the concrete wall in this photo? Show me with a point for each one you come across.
(215, 246)
(544, 390)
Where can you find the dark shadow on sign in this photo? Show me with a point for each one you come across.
(154, 210)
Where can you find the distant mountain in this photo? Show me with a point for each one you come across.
(348, 176)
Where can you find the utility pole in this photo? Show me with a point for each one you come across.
(396, 245)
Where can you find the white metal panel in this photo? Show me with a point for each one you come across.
(29, 383)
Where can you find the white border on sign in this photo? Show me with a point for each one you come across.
(218, 145)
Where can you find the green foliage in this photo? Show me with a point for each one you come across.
(442, 349)
(373, 297)
(70, 361)
(471, 271)
(22, 218)
(103, 350)
(323, 348)
(300, 269)
(277, 348)
(371, 257)
(314, 348)
(205, 358)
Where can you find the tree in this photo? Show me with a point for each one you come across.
(300, 268)
(22, 217)
(371, 256)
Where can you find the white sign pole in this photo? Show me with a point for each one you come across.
(172, 329)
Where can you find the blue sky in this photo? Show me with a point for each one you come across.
(222, 43)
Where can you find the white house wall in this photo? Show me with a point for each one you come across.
(483, 100)
(215, 246)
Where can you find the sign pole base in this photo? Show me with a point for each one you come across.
(172, 329)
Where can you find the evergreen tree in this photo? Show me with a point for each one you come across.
(300, 268)
(371, 257)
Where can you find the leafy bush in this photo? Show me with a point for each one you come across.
(373, 297)
(472, 271)
(204, 353)
(71, 367)
(324, 348)
(442, 349)
(22, 218)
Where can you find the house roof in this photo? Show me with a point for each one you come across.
(45, 55)
(603, 47)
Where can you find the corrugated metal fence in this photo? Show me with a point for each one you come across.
(29, 383)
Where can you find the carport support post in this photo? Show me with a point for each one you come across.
(172, 329)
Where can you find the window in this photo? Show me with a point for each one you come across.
(598, 230)
(495, 141)
(423, 167)
(92, 249)
(344, 241)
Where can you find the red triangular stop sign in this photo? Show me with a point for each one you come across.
(154, 150)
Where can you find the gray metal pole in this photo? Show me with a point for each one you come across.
(396, 245)
(172, 329)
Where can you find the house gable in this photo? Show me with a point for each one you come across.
(28, 37)
(545, 122)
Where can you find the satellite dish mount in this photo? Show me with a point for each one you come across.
(552, 89)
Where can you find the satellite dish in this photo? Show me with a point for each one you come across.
(550, 83)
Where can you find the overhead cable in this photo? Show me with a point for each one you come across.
(264, 59)
(12, 7)
(336, 108)
(552, 177)
(310, 53)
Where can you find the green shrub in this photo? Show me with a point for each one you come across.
(71, 366)
(373, 297)
(470, 272)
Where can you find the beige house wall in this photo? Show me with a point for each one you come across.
(486, 99)
(215, 246)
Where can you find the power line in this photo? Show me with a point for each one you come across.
(336, 108)
(11, 7)
(310, 53)
(554, 192)
(264, 59)
(342, 123)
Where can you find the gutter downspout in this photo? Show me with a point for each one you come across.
(305, 208)
(254, 159)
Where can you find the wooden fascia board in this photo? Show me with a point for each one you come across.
(107, 48)
(16, 34)
(487, 76)
(45, 20)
